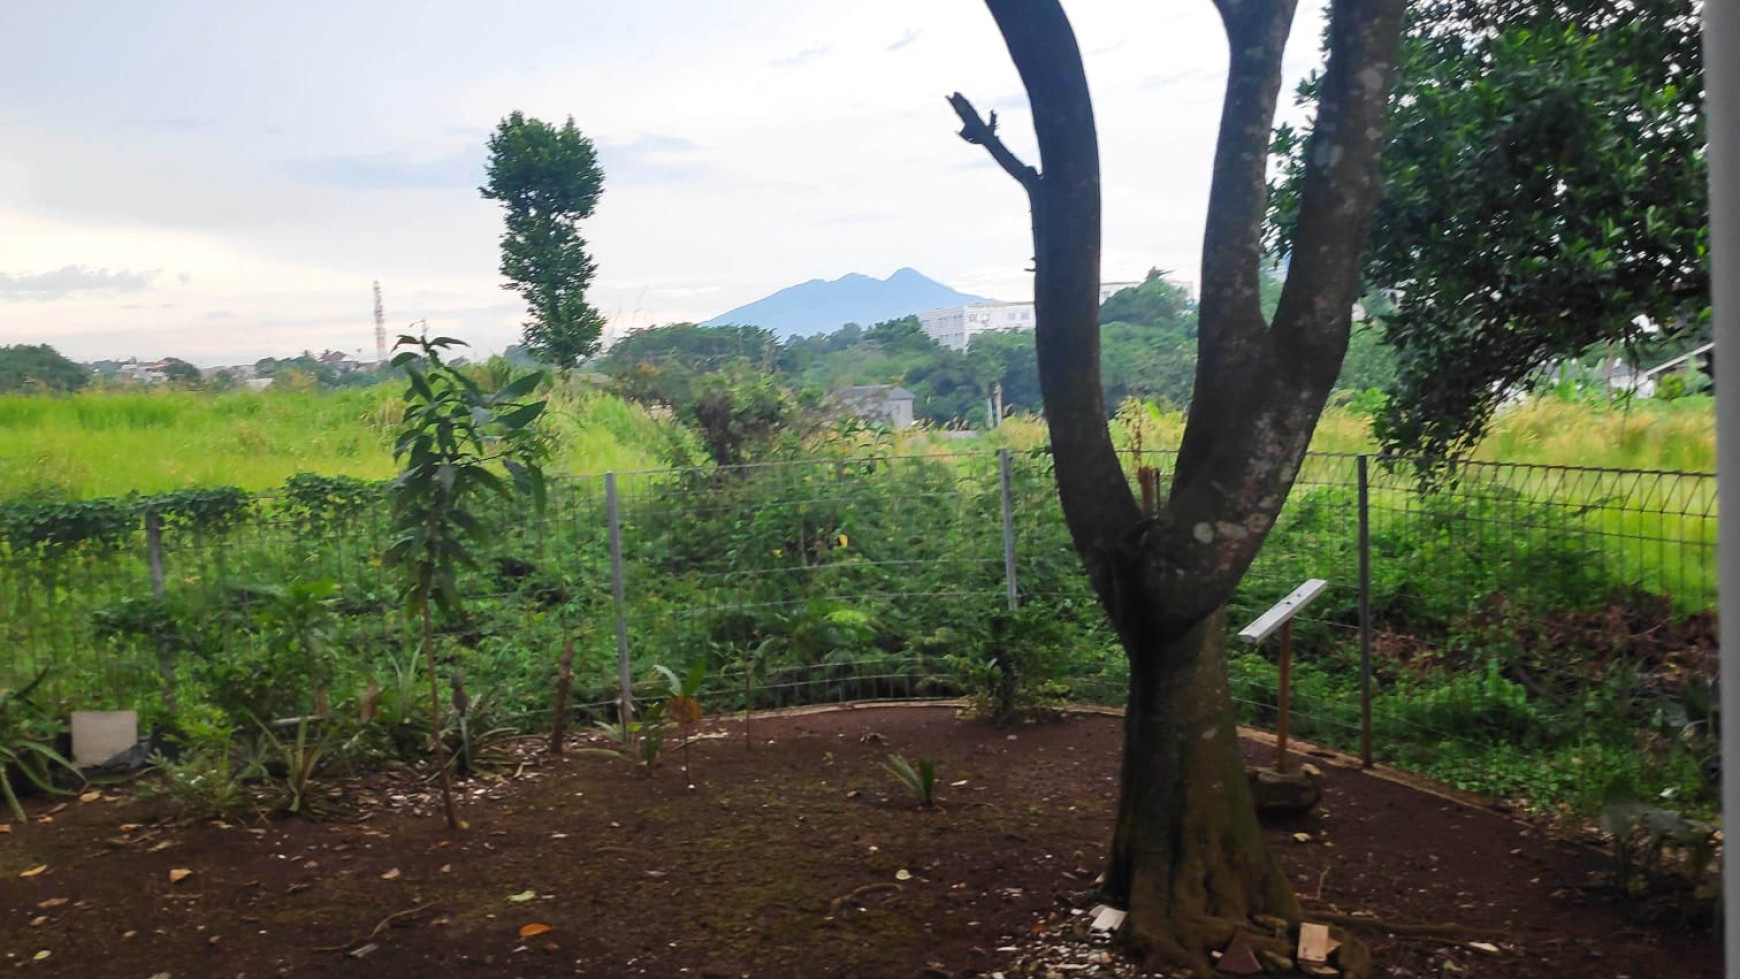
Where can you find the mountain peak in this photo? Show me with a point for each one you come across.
(820, 306)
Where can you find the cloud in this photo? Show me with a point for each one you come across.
(70, 280)
(170, 124)
(1183, 76)
(859, 217)
(388, 171)
(810, 53)
(650, 158)
(911, 36)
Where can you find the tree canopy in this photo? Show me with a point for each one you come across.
(37, 368)
(1545, 193)
(548, 180)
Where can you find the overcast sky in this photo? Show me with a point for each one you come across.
(222, 181)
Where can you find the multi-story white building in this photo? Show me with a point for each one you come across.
(955, 326)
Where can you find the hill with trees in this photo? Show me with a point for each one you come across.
(1148, 351)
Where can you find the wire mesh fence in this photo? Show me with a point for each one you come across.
(1453, 609)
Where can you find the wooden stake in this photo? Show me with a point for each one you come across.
(559, 711)
(1286, 685)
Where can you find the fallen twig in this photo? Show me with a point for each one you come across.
(1405, 929)
(839, 902)
(376, 930)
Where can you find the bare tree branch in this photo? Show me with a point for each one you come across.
(1341, 184)
(981, 133)
(1244, 465)
(1232, 335)
(1100, 509)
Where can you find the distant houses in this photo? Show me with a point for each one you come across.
(1643, 383)
(886, 403)
(330, 368)
(141, 372)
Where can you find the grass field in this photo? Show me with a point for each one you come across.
(111, 443)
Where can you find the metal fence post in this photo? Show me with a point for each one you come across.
(1005, 474)
(1365, 747)
(624, 674)
(160, 589)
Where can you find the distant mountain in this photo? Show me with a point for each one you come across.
(821, 306)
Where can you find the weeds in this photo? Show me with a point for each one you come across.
(293, 761)
(666, 701)
(1665, 859)
(920, 781)
(25, 736)
(205, 782)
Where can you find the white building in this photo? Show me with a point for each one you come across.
(955, 326)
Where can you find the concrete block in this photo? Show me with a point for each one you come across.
(98, 735)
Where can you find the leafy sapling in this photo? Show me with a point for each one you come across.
(454, 445)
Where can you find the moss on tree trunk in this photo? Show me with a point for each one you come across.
(1188, 856)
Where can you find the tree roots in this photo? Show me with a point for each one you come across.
(1189, 943)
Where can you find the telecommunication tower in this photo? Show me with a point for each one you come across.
(380, 326)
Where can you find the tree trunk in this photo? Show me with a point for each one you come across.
(439, 743)
(564, 686)
(1188, 857)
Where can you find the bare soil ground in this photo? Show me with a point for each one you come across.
(785, 860)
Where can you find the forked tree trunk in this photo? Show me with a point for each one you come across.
(1188, 857)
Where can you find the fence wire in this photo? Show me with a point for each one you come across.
(842, 579)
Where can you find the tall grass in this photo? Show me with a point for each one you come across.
(1673, 435)
(1646, 434)
(110, 443)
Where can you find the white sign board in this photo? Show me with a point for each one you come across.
(1283, 610)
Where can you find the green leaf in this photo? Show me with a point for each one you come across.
(521, 416)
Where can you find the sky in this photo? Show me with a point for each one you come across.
(224, 181)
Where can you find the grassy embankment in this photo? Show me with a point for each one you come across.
(111, 443)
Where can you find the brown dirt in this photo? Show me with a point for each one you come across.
(748, 873)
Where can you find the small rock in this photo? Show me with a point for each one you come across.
(1272, 924)
(1239, 959)
(1274, 961)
